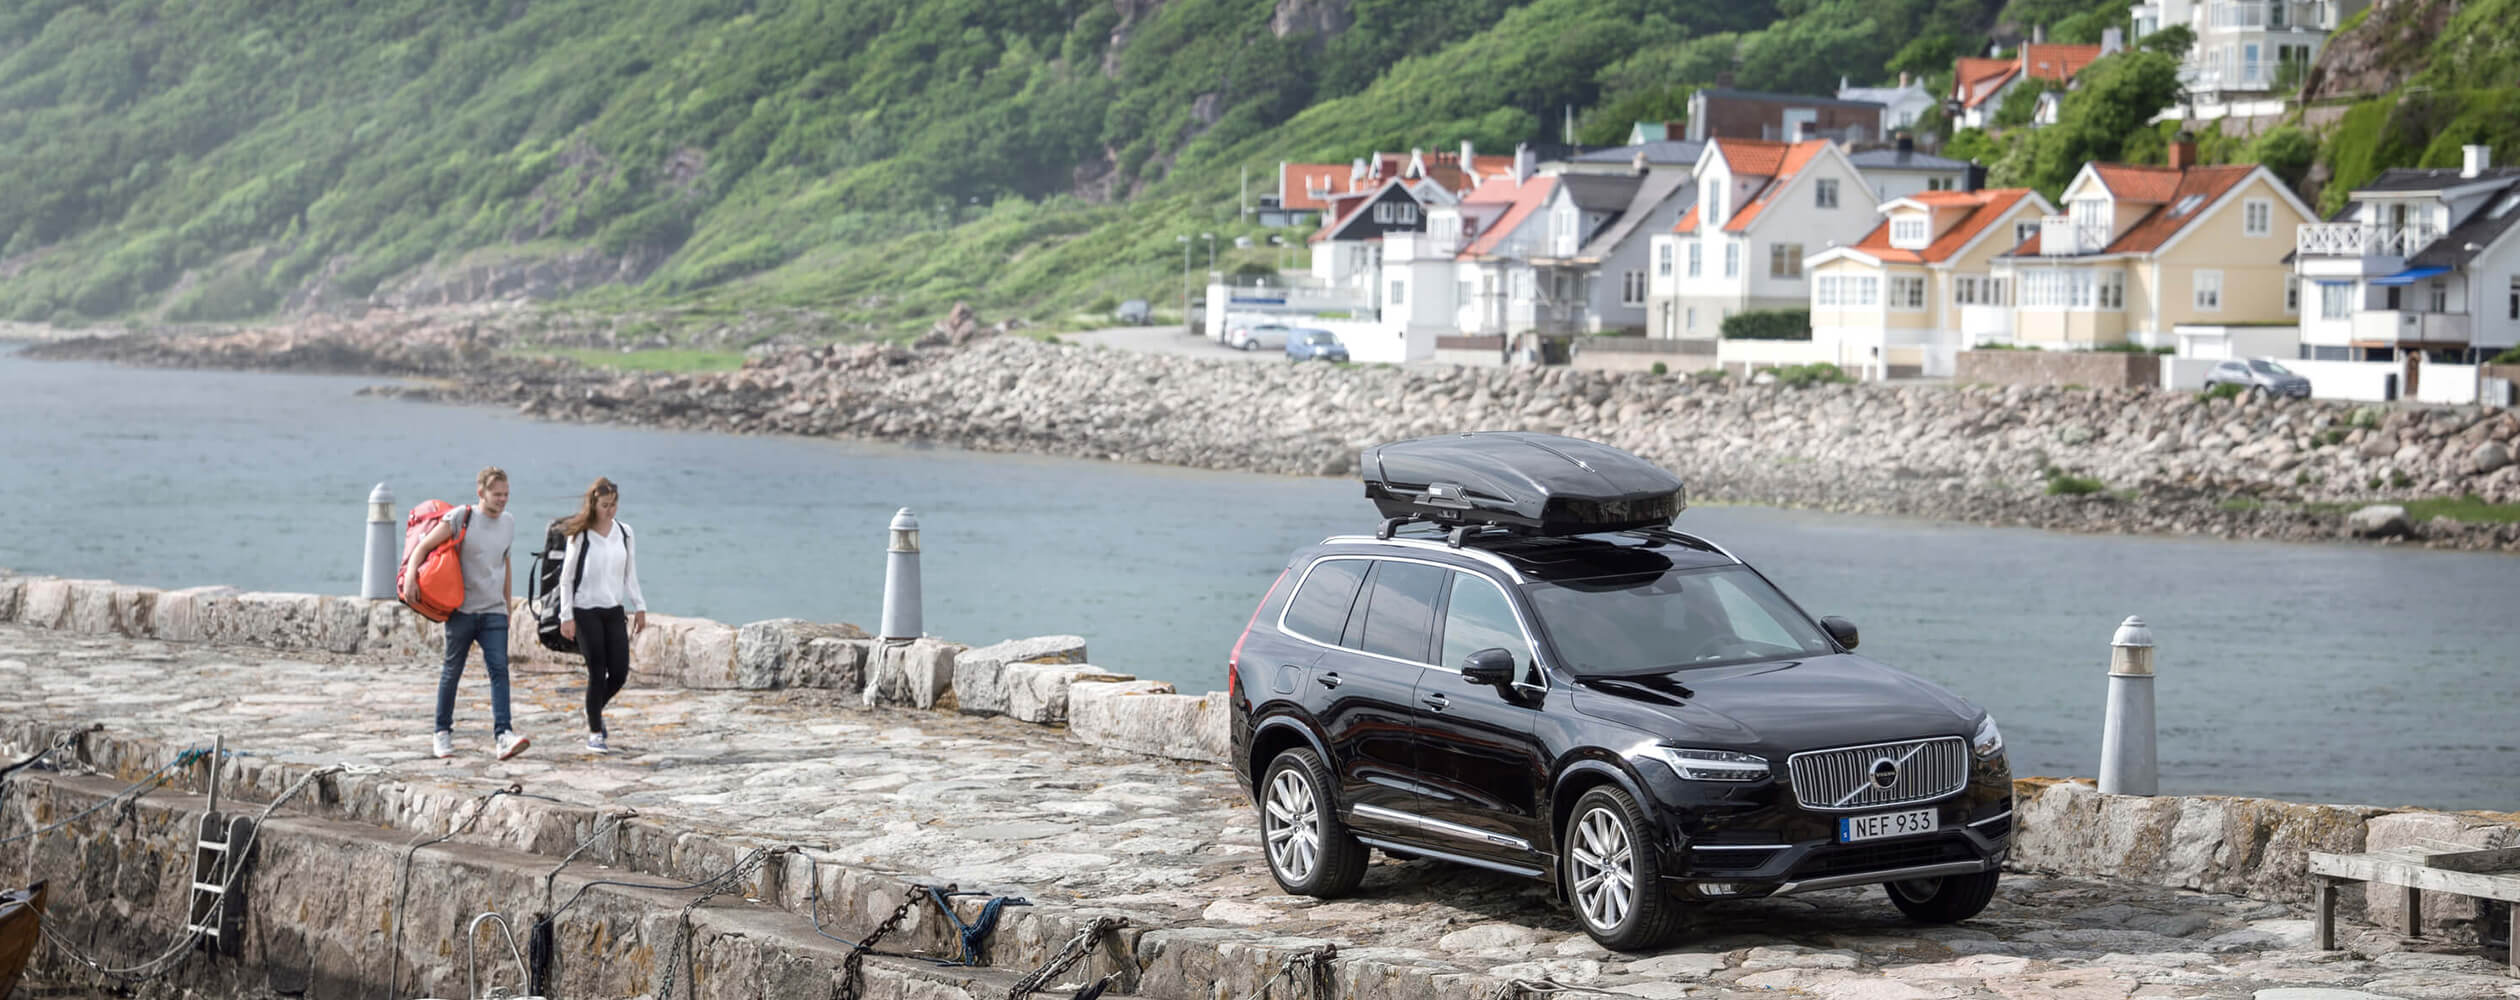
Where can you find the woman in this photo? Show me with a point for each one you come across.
(599, 578)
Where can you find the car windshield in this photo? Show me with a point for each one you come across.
(1320, 337)
(1661, 621)
(2269, 368)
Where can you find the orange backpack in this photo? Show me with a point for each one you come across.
(440, 589)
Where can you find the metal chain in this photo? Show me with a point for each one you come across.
(723, 884)
(402, 891)
(1319, 973)
(1523, 989)
(852, 982)
(1073, 952)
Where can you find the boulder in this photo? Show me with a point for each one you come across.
(177, 614)
(11, 588)
(393, 630)
(765, 650)
(342, 625)
(46, 604)
(1148, 717)
(132, 610)
(2487, 458)
(2385, 520)
(277, 621)
(830, 664)
(92, 607)
(918, 673)
(656, 654)
(708, 654)
(2214, 843)
(1038, 692)
(978, 688)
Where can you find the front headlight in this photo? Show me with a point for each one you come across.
(1708, 765)
(1989, 741)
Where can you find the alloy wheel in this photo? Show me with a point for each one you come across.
(1605, 874)
(1291, 822)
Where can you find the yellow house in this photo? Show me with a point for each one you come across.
(2140, 251)
(1921, 286)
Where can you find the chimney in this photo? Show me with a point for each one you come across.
(2038, 34)
(1907, 143)
(2475, 160)
(2182, 150)
(2112, 41)
(1637, 165)
(1469, 163)
(1903, 80)
(1524, 163)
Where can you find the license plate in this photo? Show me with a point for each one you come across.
(1889, 824)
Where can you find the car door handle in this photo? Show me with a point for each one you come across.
(1330, 680)
(1437, 702)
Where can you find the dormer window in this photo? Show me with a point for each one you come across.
(2091, 214)
(2187, 204)
(1910, 232)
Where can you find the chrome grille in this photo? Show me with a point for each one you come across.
(1841, 780)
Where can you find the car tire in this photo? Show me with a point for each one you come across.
(1946, 900)
(1248, 343)
(1612, 875)
(2257, 392)
(1307, 846)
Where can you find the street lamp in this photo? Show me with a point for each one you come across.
(1211, 241)
(1184, 240)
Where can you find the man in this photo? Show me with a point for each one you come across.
(483, 619)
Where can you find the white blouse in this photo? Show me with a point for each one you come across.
(611, 579)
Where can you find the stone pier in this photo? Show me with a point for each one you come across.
(1015, 770)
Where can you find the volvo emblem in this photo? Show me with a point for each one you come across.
(1885, 773)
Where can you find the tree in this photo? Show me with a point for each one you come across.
(2286, 150)
(1928, 54)
(2022, 102)
(1609, 124)
(2174, 41)
(2114, 98)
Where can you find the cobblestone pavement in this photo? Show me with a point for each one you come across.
(1020, 809)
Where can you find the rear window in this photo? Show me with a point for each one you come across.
(1400, 610)
(1320, 337)
(1320, 607)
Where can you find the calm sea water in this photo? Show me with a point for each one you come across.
(2307, 672)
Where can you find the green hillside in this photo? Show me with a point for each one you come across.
(875, 159)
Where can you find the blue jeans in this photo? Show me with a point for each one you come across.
(490, 630)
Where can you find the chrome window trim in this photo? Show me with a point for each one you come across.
(1299, 592)
(1539, 666)
(1490, 558)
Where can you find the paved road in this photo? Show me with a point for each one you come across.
(1168, 340)
(992, 802)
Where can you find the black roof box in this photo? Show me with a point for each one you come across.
(1530, 483)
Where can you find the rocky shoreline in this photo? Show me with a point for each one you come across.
(2095, 460)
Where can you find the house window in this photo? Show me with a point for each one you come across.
(1785, 260)
(1461, 289)
(1692, 317)
(1824, 193)
(2515, 296)
(2292, 295)
(2440, 295)
(2257, 216)
(1697, 258)
(2112, 292)
(2209, 291)
(1732, 260)
(1522, 286)
(1662, 260)
(1399, 293)
(1908, 233)
(1632, 291)
(2336, 300)
(1907, 294)
(1938, 184)
(1848, 290)
(2022, 231)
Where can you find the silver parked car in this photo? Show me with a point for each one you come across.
(1256, 336)
(2259, 376)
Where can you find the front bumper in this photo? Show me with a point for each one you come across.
(1758, 841)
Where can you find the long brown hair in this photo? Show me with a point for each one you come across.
(585, 517)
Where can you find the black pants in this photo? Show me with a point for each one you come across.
(603, 634)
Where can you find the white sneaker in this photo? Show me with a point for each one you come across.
(512, 743)
(443, 745)
(595, 742)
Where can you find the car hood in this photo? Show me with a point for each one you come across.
(1779, 707)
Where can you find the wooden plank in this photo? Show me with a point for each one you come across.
(2325, 892)
(2394, 871)
(2412, 916)
(2505, 860)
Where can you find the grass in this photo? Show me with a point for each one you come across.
(675, 360)
(2061, 484)
(2471, 509)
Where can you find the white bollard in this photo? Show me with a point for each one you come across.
(2127, 764)
(384, 547)
(901, 580)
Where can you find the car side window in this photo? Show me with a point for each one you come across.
(1400, 610)
(1479, 616)
(1319, 610)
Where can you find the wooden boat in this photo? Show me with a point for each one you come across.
(21, 913)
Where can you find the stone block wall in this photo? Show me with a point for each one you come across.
(2090, 369)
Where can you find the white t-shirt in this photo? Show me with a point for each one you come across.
(611, 579)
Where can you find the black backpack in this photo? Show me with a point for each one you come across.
(542, 588)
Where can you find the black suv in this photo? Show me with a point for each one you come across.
(1555, 684)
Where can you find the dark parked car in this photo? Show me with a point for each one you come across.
(1557, 685)
(1306, 344)
(1134, 312)
(2259, 376)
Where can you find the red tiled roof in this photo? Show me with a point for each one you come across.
(1987, 206)
(2157, 227)
(1975, 80)
(1297, 181)
(1750, 157)
(2058, 62)
(1688, 221)
(1527, 197)
(1343, 206)
(2127, 182)
(1791, 162)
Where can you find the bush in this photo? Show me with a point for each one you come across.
(1806, 376)
(1661, 368)
(2226, 390)
(1768, 324)
(2062, 484)
(2508, 357)
(1993, 346)
(1104, 306)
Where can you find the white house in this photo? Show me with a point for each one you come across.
(1901, 106)
(2420, 271)
(2247, 49)
(1898, 171)
(1760, 209)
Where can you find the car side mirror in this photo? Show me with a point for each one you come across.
(1492, 667)
(1839, 629)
